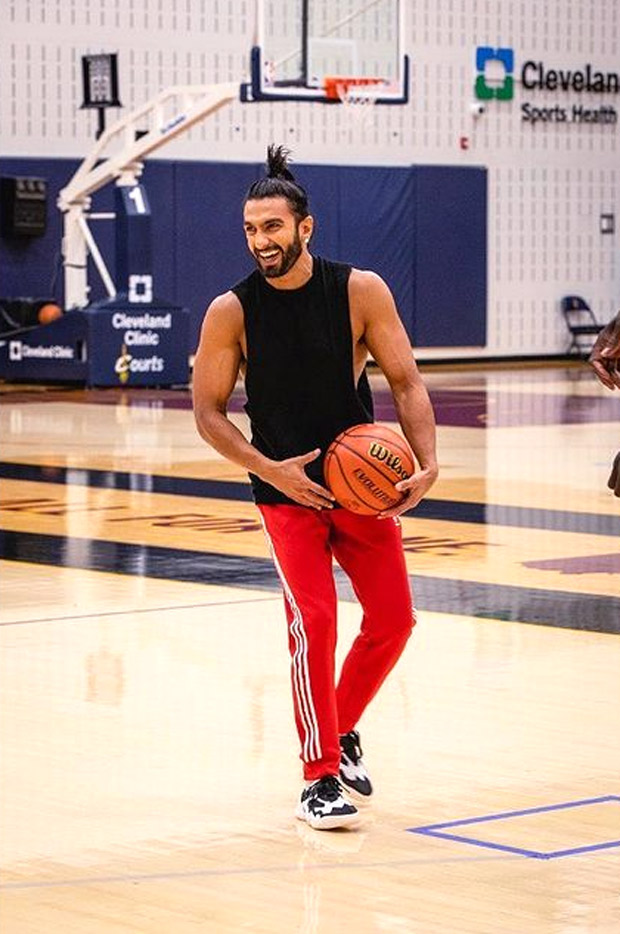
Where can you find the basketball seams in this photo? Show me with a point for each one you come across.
(356, 494)
(373, 472)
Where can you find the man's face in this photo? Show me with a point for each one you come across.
(273, 235)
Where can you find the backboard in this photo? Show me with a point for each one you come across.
(317, 50)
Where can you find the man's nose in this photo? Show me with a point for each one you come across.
(261, 241)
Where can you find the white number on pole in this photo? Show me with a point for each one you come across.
(137, 197)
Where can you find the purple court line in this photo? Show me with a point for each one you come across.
(583, 849)
(501, 814)
(533, 854)
(434, 830)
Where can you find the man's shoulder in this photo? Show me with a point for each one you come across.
(366, 280)
(225, 309)
(362, 285)
(223, 320)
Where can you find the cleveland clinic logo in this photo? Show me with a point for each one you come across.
(502, 88)
(495, 80)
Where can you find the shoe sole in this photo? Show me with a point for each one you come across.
(354, 793)
(358, 799)
(329, 823)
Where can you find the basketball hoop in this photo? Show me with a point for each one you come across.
(358, 95)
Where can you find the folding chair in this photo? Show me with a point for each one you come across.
(581, 323)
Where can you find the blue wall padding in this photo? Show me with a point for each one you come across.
(322, 184)
(211, 253)
(423, 228)
(450, 256)
(27, 265)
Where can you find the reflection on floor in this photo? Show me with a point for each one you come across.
(149, 766)
(520, 526)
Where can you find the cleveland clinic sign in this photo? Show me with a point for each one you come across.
(537, 76)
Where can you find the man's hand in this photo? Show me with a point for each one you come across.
(605, 356)
(614, 478)
(290, 477)
(416, 487)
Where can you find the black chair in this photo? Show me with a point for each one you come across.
(581, 323)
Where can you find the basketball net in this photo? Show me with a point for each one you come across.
(357, 95)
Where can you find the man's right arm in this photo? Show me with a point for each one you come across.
(216, 369)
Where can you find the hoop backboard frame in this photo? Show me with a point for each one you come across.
(266, 84)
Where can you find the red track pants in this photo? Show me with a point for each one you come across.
(304, 542)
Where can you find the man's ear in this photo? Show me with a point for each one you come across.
(306, 228)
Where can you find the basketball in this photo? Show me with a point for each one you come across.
(363, 465)
(48, 313)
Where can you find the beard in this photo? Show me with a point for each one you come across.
(288, 258)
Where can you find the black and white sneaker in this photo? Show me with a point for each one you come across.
(353, 774)
(324, 807)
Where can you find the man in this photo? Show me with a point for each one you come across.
(300, 329)
(605, 361)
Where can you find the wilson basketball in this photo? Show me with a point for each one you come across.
(363, 465)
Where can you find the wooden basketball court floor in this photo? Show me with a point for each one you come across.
(149, 759)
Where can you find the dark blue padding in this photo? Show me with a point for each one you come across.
(422, 228)
(450, 256)
(158, 180)
(28, 265)
(377, 228)
(364, 216)
(322, 183)
(211, 251)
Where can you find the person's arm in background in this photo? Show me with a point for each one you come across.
(605, 361)
(614, 478)
(605, 356)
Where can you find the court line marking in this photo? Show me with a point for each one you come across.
(249, 870)
(550, 520)
(155, 609)
(437, 830)
(502, 602)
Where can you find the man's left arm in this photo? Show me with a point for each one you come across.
(387, 341)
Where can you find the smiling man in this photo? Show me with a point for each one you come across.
(300, 329)
(265, 228)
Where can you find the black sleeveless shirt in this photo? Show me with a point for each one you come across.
(299, 370)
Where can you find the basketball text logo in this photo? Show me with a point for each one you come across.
(393, 461)
(372, 488)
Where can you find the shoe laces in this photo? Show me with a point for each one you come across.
(350, 744)
(328, 788)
